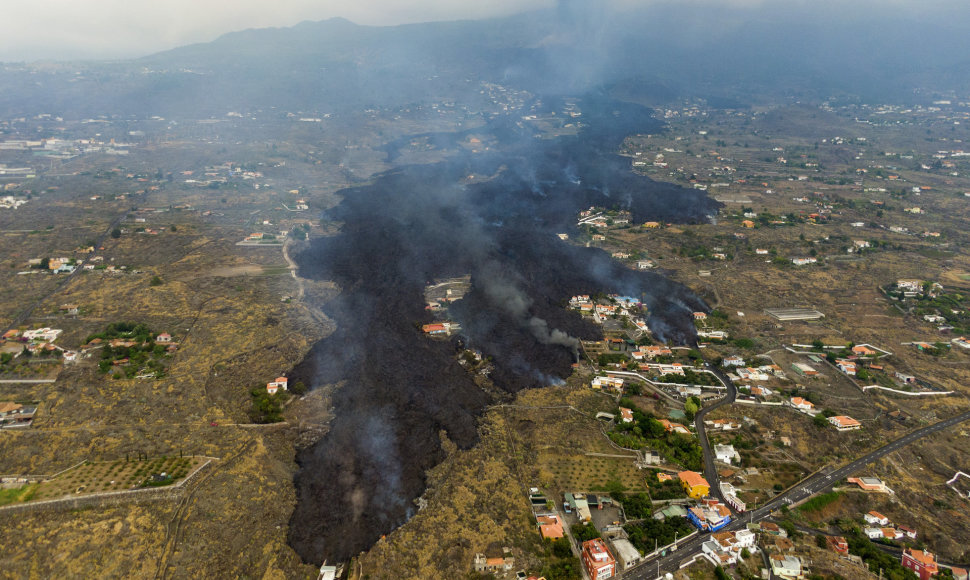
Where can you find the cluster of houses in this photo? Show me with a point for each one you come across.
(724, 548)
(615, 306)
(55, 265)
(879, 527)
(35, 341)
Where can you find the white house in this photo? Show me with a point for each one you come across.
(733, 361)
(43, 334)
(876, 518)
(279, 383)
(873, 533)
(726, 454)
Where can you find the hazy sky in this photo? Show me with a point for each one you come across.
(67, 29)
(72, 29)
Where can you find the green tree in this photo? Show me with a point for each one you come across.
(155, 281)
(116, 233)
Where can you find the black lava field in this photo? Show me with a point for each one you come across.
(418, 223)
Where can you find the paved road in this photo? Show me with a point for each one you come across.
(710, 470)
(821, 481)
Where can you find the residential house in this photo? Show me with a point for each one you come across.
(761, 391)
(921, 562)
(773, 529)
(891, 533)
(846, 366)
(726, 454)
(434, 329)
(673, 427)
(689, 391)
(550, 526)
(626, 415)
(709, 516)
(70, 309)
(910, 287)
(733, 361)
(714, 552)
(904, 378)
(779, 544)
(907, 531)
(700, 316)
(786, 566)
(607, 382)
(163, 337)
(845, 423)
(722, 424)
(874, 517)
(960, 573)
(803, 261)
(279, 383)
(694, 484)
(863, 350)
(802, 404)
(494, 562)
(42, 334)
(655, 351)
(598, 560)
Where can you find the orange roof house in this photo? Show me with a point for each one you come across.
(845, 423)
(920, 562)
(694, 484)
(550, 526)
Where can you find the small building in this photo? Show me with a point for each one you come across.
(868, 483)
(733, 361)
(786, 566)
(163, 337)
(598, 560)
(920, 562)
(626, 415)
(804, 370)
(627, 555)
(700, 316)
(838, 544)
